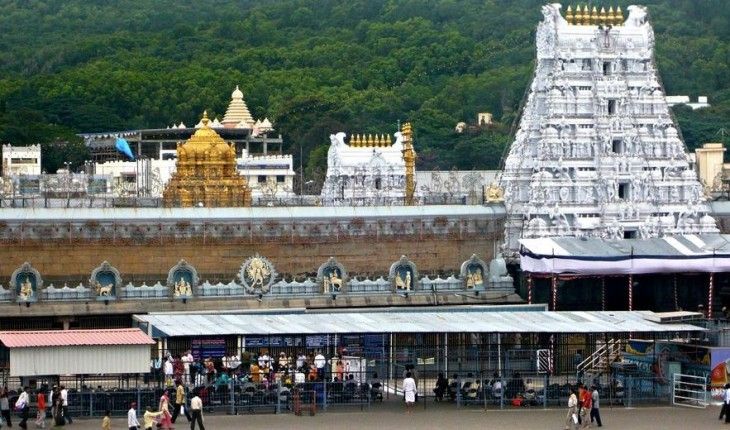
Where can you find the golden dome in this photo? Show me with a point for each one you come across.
(203, 139)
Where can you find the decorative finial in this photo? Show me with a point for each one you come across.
(205, 119)
(388, 141)
(594, 16)
(569, 15)
(370, 142)
(586, 15)
(578, 15)
(610, 17)
(602, 16)
(619, 18)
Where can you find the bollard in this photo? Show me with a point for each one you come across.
(324, 395)
(278, 398)
(501, 394)
(629, 387)
(231, 391)
(544, 391)
(458, 392)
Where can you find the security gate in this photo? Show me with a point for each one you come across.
(689, 390)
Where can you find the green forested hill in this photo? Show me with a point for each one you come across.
(317, 66)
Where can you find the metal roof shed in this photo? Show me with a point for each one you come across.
(77, 352)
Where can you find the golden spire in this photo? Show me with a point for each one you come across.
(205, 119)
(353, 141)
(378, 141)
(602, 16)
(371, 142)
(619, 17)
(569, 15)
(594, 16)
(610, 16)
(388, 141)
(586, 15)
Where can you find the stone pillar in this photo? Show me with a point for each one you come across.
(631, 292)
(710, 291)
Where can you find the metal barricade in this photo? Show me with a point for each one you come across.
(689, 391)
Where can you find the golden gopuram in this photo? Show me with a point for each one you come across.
(206, 173)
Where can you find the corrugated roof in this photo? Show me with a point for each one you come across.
(394, 321)
(30, 339)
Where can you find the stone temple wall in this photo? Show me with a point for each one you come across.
(145, 251)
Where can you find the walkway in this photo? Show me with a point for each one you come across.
(390, 416)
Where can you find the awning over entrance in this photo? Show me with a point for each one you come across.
(422, 321)
(591, 256)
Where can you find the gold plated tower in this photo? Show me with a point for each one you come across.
(409, 157)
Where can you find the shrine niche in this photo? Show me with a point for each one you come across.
(403, 275)
(26, 282)
(105, 280)
(257, 274)
(181, 279)
(332, 277)
(473, 273)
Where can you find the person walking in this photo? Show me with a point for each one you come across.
(5, 407)
(22, 405)
(40, 420)
(571, 420)
(196, 407)
(410, 391)
(64, 399)
(595, 412)
(727, 406)
(106, 422)
(724, 408)
(132, 421)
(586, 408)
(166, 418)
(180, 403)
(149, 418)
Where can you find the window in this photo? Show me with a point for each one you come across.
(606, 68)
(612, 107)
(623, 191)
(261, 179)
(377, 183)
(617, 146)
(629, 234)
(280, 178)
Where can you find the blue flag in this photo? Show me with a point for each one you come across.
(123, 146)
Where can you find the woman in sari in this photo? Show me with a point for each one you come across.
(166, 417)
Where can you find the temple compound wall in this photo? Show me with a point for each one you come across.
(66, 244)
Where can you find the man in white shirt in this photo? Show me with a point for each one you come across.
(23, 404)
(319, 363)
(196, 409)
(168, 372)
(300, 360)
(187, 359)
(132, 422)
(64, 398)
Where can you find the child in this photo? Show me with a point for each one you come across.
(106, 423)
(149, 418)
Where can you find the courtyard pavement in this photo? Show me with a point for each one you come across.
(445, 416)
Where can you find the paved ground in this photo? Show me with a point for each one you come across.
(391, 416)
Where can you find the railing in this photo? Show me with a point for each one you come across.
(601, 357)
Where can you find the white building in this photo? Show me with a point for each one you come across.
(684, 100)
(269, 176)
(21, 160)
(368, 170)
(597, 152)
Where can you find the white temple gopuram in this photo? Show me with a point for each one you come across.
(597, 153)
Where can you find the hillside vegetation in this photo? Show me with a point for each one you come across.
(315, 67)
